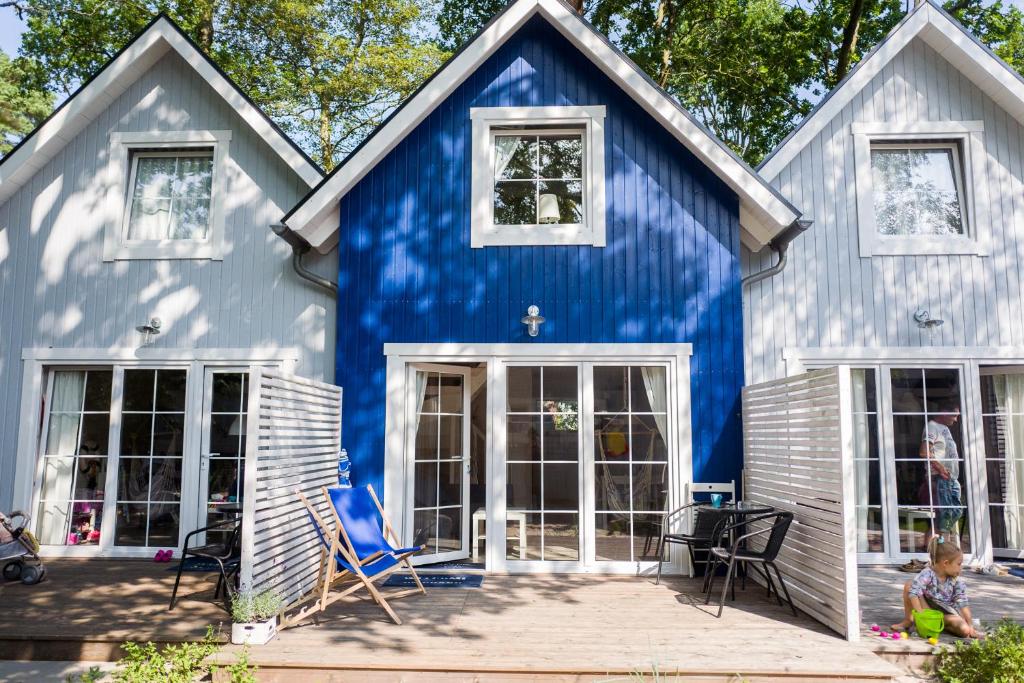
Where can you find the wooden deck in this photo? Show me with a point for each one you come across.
(566, 628)
(85, 609)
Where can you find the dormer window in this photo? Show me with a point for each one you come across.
(538, 176)
(166, 195)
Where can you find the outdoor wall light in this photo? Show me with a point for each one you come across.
(149, 330)
(925, 320)
(532, 320)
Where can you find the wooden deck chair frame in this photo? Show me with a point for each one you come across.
(330, 573)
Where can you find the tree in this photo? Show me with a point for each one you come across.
(22, 104)
(327, 71)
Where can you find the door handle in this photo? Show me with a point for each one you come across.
(204, 460)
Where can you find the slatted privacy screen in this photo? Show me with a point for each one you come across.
(294, 439)
(798, 458)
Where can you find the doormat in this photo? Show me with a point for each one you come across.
(200, 564)
(435, 581)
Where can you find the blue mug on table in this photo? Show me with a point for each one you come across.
(716, 500)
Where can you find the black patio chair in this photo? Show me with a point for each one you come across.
(227, 553)
(740, 553)
(705, 523)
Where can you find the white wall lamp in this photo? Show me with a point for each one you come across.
(149, 330)
(532, 320)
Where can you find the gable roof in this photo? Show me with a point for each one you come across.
(96, 94)
(764, 212)
(941, 32)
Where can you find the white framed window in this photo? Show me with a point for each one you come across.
(538, 176)
(166, 195)
(916, 188)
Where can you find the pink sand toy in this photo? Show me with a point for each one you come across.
(884, 634)
(875, 628)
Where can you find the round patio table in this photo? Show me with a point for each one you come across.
(737, 513)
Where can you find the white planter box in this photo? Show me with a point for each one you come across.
(257, 633)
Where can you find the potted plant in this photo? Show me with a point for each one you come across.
(254, 617)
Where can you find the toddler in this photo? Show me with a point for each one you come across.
(940, 587)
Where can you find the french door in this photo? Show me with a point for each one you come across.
(910, 460)
(582, 466)
(439, 462)
(222, 452)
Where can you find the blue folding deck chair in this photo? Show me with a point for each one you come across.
(358, 542)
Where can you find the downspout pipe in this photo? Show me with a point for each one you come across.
(300, 248)
(780, 245)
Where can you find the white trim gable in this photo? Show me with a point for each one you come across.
(99, 92)
(764, 205)
(943, 34)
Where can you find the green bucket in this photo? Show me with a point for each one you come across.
(929, 622)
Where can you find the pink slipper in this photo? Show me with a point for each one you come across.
(159, 557)
(168, 555)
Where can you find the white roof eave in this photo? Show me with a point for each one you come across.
(311, 218)
(112, 80)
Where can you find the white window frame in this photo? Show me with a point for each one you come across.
(966, 138)
(498, 358)
(484, 121)
(120, 174)
(38, 365)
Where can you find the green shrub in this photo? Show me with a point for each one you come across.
(240, 671)
(180, 663)
(248, 607)
(996, 659)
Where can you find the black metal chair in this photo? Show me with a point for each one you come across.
(741, 554)
(226, 553)
(705, 523)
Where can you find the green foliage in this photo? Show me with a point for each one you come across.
(248, 607)
(93, 675)
(240, 671)
(180, 663)
(327, 71)
(999, 658)
(23, 104)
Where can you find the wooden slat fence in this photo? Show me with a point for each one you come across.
(294, 439)
(797, 458)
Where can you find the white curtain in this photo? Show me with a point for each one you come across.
(1010, 398)
(655, 386)
(61, 441)
(861, 462)
(505, 147)
(421, 393)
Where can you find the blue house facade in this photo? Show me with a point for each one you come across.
(540, 174)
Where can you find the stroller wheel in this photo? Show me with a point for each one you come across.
(31, 575)
(12, 570)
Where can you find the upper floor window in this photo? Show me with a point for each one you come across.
(166, 195)
(915, 188)
(538, 176)
(170, 196)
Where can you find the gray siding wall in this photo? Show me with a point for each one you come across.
(829, 296)
(56, 290)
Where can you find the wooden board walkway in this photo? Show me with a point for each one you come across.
(565, 628)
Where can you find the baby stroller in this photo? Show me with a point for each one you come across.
(20, 555)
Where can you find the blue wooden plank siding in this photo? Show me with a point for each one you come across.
(670, 272)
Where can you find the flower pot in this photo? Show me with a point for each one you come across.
(256, 633)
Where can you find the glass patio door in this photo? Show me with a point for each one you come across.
(585, 458)
(439, 470)
(912, 459)
(222, 454)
